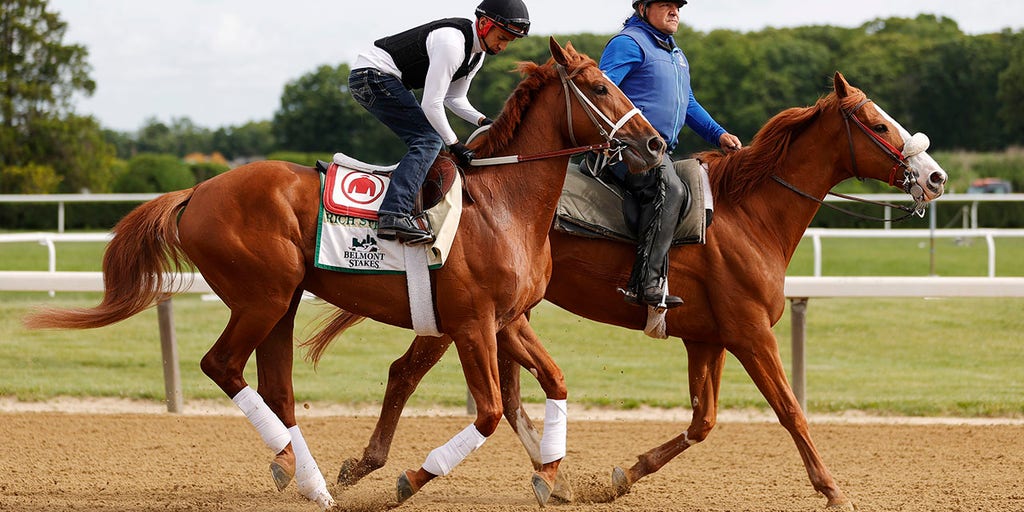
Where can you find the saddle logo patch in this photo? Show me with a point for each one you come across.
(365, 253)
(354, 193)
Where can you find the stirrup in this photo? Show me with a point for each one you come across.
(662, 303)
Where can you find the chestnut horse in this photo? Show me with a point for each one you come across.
(765, 197)
(251, 232)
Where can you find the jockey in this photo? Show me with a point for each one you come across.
(440, 57)
(645, 62)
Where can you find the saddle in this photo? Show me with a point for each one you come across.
(438, 182)
(591, 205)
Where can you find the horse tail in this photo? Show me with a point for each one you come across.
(330, 328)
(140, 267)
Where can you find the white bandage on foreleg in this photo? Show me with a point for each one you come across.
(442, 460)
(552, 443)
(308, 478)
(269, 426)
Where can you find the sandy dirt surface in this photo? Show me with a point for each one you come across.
(118, 461)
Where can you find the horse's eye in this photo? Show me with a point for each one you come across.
(880, 128)
(600, 90)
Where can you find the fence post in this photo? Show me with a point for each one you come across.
(169, 348)
(798, 319)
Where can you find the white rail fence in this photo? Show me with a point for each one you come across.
(970, 202)
(989, 235)
(799, 289)
(816, 235)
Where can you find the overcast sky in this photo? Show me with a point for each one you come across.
(225, 62)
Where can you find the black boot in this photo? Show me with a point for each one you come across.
(658, 196)
(392, 226)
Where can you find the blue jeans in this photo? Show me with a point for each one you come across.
(385, 97)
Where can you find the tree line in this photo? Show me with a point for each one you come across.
(965, 91)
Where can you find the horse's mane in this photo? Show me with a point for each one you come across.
(536, 77)
(735, 175)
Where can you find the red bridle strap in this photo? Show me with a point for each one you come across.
(889, 149)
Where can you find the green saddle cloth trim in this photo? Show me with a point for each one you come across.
(591, 209)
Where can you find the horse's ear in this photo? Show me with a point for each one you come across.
(841, 86)
(557, 52)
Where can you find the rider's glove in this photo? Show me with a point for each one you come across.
(463, 154)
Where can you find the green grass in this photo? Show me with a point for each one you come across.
(890, 356)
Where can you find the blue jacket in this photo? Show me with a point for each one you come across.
(653, 72)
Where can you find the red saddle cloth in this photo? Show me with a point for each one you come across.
(353, 189)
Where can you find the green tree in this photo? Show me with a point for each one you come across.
(75, 147)
(1011, 91)
(181, 137)
(956, 101)
(149, 172)
(318, 114)
(255, 138)
(39, 73)
(29, 179)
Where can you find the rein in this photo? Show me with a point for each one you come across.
(596, 116)
(909, 211)
(890, 150)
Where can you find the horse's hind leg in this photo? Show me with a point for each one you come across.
(763, 364)
(515, 351)
(274, 359)
(225, 362)
(405, 374)
(705, 364)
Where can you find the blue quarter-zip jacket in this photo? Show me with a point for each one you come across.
(653, 72)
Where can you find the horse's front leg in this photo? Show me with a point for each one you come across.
(705, 364)
(520, 347)
(405, 374)
(763, 364)
(478, 353)
(274, 359)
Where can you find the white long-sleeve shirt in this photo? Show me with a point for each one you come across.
(446, 48)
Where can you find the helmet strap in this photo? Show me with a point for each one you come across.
(642, 11)
(483, 27)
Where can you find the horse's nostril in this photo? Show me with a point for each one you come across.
(937, 177)
(656, 144)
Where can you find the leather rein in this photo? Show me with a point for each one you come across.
(612, 146)
(900, 163)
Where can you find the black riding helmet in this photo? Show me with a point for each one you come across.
(680, 3)
(510, 15)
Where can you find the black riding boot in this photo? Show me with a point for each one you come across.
(656, 198)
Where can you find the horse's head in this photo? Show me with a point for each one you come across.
(598, 112)
(881, 148)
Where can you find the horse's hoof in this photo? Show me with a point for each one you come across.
(562, 492)
(325, 501)
(346, 475)
(281, 475)
(541, 489)
(841, 505)
(620, 482)
(405, 488)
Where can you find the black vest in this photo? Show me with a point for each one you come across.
(409, 50)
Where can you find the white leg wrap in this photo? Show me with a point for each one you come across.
(273, 432)
(308, 478)
(442, 460)
(552, 443)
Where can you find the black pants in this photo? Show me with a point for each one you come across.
(651, 207)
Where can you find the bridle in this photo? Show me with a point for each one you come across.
(900, 162)
(611, 146)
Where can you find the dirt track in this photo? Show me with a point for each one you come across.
(56, 461)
